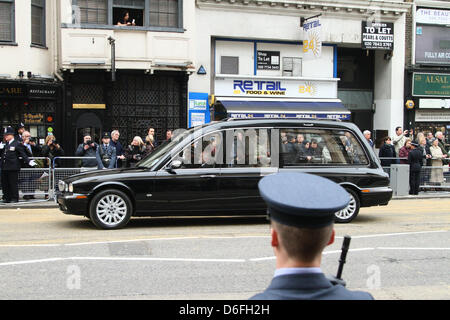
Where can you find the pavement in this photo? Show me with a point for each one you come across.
(42, 203)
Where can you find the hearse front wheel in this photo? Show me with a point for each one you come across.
(351, 211)
(110, 209)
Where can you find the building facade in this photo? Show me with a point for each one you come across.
(427, 76)
(125, 77)
(254, 52)
(29, 91)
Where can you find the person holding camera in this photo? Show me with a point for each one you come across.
(399, 139)
(136, 151)
(52, 149)
(87, 149)
(106, 153)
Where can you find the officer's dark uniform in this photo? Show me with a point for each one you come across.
(415, 160)
(304, 201)
(11, 165)
(18, 136)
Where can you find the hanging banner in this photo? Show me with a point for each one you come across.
(312, 45)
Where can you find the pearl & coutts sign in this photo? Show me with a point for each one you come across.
(377, 36)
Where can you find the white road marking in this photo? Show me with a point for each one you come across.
(395, 234)
(406, 248)
(14, 263)
(200, 238)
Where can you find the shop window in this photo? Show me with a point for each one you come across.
(292, 67)
(146, 13)
(7, 21)
(38, 22)
(164, 13)
(229, 65)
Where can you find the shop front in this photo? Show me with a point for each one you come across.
(427, 89)
(431, 103)
(276, 97)
(34, 103)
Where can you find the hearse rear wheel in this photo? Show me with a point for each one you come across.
(351, 211)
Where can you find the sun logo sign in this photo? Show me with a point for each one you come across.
(312, 45)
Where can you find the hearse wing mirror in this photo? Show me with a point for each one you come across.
(174, 165)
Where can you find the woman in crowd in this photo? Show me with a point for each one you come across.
(150, 142)
(135, 152)
(52, 149)
(404, 152)
(437, 172)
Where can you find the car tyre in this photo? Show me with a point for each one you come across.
(110, 209)
(350, 212)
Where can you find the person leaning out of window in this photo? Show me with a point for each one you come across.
(125, 20)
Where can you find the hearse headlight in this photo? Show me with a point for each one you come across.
(61, 186)
(70, 187)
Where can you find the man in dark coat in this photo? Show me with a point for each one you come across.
(11, 164)
(120, 152)
(387, 151)
(302, 221)
(415, 160)
(87, 149)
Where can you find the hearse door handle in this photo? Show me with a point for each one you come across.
(208, 176)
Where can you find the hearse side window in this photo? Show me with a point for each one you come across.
(205, 152)
(248, 148)
(315, 147)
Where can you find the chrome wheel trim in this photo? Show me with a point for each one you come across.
(348, 211)
(111, 210)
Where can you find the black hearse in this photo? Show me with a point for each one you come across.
(214, 170)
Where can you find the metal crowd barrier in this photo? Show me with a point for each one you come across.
(61, 172)
(432, 178)
(35, 183)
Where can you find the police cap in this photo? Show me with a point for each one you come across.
(9, 130)
(106, 135)
(302, 200)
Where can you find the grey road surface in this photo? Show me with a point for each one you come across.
(400, 251)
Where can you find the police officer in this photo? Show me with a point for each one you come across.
(106, 153)
(302, 222)
(20, 131)
(10, 153)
